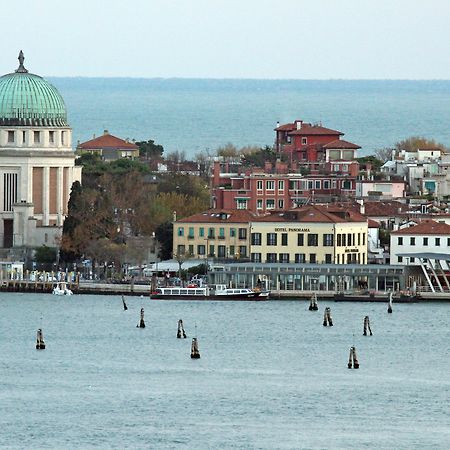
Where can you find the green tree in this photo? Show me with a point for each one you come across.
(164, 235)
(150, 150)
(372, 160)
(45, 255)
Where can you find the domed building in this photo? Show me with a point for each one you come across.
(37, 162)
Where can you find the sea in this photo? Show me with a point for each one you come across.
(201, 115)
(271, 376)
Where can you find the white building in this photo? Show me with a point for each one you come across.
(37, 163)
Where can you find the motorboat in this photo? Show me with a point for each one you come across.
(62, 289)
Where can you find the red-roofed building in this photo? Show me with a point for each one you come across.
(313, 144)
(109, 147)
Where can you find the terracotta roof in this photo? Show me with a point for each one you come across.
(220, 216)
(311, 214)
(373, 224)
(107, 141)
(286, 127)
(425, 227)
(340, 143)
(307, 129)
(384, 208)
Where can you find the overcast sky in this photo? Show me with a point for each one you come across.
(313, 39)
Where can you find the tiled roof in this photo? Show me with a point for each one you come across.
(425, 227)
(312, 214)
(286, 127)
(373, 224)
(307, 130)
(107, 141)
(220, 216)
(384, 208)
(340, 143)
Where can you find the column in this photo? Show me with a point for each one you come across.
(59, 196)
(45, 196)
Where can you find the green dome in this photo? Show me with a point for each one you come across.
(28, 100)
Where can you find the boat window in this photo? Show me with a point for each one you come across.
(183, 291)
(175, 292)
(198, 292)
(158, 291)
(167, 291)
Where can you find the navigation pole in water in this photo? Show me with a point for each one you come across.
(40, 344)
(141, 323)
(181, 334)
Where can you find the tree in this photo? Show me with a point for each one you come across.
(254, 156)
(228, 150)
(164, 235)
(413, 143)
(383, 154)
(45, 255)
(150, 150)
(372, 160)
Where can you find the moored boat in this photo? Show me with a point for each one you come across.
(62, 289)
(216, 292)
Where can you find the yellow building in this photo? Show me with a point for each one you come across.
(312, 234)
(215, 234)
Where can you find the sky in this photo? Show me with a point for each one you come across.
(272, 39)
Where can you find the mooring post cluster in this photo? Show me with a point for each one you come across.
(367, 329)
(313, 306)
(181, 334)
(327, 320)
(353, 360)
(40, 344)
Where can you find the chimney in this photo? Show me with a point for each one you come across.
(278, 123)
(105, 132)
(93, 136)
(298, 124)
(174, 216)
(216, 174)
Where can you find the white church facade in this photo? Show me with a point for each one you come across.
(37, 162)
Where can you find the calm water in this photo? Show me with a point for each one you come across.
(192, 115)
(270, 377)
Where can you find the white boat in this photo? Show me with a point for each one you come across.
(217, 292)
(62, 289)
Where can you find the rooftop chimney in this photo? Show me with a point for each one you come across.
(105, 132)
(278, 123)
(298, 124)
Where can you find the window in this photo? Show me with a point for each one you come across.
(344, 240)
(317, 184)
(284, 239)
(181, 250)
(359, 238)
(271, 257)
(281, 185)
(201, 250)
(241, 203)
(310, 184)
(37, 137)
(232, 232)
(270, 203)
(338, 261)
(280, 204)
(259, 185)
(242, 233)
(411, 260)
(425, 241)
(221, 233)
(201, 232)
(328, 240)
(180, 231)
(256, 238)
(448, 242)
(326, 184)
(437, 241)
(24, 137)
(256, 257)
(339, 240)
(284, 257)
(190, 249)
(312, 258)
(300, 239)
(259, 204)
(412, 241)
(271, 238)
(400, 240)
(232, 251)
(63, 137)
(211, 233)
(191, 233)
(349, 239)
(313, 240)
(221, 251)
(10, 136)
(364, 241)
(400, 259)
(304, 140)
(300, 258)
(270, 185)
(328, 258)
(51, 137)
